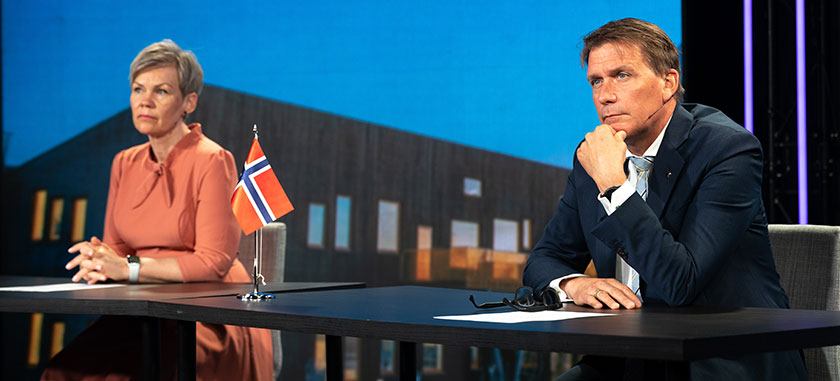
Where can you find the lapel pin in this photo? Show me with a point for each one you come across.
(668, 175)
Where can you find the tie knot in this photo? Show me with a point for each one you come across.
(642, 163)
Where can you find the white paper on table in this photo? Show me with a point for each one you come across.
(59, 287)
(523, 317)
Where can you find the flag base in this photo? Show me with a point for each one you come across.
(256, 295)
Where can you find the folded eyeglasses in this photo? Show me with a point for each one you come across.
(524, 299)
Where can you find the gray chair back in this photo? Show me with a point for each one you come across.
(274, 252)
(808, 261)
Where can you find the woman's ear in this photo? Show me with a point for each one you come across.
(190, 102)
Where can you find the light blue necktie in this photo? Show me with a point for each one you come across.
(642, 165)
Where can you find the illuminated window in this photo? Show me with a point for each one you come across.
(464, 234)
(320, 354)
(472, 187)
(386, 357)
(432, 358)
(77, 229)
(526, 233)
(424, 253)
(424, 237)
(342, 222)
(387, 239)
(505, 235)
(351, 358)
(57, 338)
(56, 214)
(39, 208)
(315, 236)
(36, 324)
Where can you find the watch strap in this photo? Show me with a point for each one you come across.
(133, 262)
(608, 193)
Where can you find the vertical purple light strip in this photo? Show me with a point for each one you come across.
(748, 66)
(801, 146)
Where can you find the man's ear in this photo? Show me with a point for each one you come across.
(672, 85)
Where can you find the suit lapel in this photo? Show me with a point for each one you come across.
(669, 162)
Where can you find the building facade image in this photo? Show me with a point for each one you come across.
(372, 204)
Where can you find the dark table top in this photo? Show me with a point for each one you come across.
(132, 299)
(406, 313)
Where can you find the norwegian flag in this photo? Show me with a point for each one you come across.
(258, 198)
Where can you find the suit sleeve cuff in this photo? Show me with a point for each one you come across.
(555, 284)
(618, 197)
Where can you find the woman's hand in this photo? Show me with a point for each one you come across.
(97, 262)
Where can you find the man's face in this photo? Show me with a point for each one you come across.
(626, 91)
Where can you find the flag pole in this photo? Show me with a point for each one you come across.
(258, 277)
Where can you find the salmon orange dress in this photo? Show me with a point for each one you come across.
(179, 208)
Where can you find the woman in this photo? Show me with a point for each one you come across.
(168, 219)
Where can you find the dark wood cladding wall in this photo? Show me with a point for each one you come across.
(318, 156)
(79, 167)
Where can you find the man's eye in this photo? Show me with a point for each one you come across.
(162, 91)
(595, 82)
(137, 90)
(623, 75)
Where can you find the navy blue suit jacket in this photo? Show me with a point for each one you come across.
(700, 238)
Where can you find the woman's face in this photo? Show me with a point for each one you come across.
(156, 102)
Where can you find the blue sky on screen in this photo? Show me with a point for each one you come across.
(498, 75)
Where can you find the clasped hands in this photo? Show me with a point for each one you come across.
(97, 262)
(600, 292)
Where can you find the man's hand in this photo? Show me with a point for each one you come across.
(602, 155)
(598, 292)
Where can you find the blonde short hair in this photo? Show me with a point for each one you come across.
(165, 53)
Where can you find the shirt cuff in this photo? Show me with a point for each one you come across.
(555, 285)
(618, 197)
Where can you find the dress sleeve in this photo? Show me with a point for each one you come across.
(110, 235)
(217, 233)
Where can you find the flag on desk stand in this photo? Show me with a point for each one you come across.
(258, 200)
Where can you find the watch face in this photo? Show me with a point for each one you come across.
(133, 259)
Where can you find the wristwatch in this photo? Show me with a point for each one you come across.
(608, 193)
(133, 268)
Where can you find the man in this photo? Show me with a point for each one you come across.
(665, 199)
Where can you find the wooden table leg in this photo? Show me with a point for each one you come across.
(186, 350)
(408, 361)
(335, 358)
